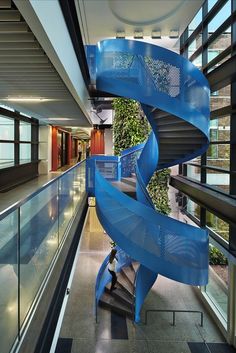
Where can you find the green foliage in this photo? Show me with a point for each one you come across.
(216, 257)
(158, 190)
(130, 128)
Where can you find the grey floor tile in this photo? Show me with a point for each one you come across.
(168, 347)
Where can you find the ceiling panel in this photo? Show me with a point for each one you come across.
(28, 81)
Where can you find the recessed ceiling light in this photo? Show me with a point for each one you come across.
(174, 34)
(156, 34)
(120, 35)
(27, 99)
(60, 119)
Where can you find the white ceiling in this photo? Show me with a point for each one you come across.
(26, 73)
(101, 19)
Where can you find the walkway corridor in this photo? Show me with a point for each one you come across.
(113, 334)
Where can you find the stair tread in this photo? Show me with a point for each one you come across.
(129, 273)
(119, 293)
(113, 303)
(125, 284)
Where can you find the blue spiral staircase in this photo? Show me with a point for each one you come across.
(174, 96)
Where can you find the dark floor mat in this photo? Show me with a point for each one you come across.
(199, 347)
(64, 345)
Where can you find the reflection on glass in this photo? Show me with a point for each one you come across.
(25, 153)
(6, 155)
(217, 225)
(38, 243)
(194, 172)
(198, 61)
(6, 128)
(219, 44)
(217, 288)
(195, 22)
(193, 208)
(218, 155)
(220, 129)
(220, 99)
(9, 281)
(195, 44)
(219, 63)
(25, 131)
(220, 17)
(218, 179)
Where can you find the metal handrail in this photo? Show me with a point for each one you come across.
(18, 204)
(173, 312)
(127, 154)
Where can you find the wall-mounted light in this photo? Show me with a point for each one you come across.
(156, 34)
(120, 35)
(174, 33)
(28, 99)
(138, 35)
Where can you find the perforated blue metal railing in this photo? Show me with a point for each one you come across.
(158, 78)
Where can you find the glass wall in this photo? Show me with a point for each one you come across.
(31, 234)
(7, 134)
(217, 288)
(16, 139)
(211, 44)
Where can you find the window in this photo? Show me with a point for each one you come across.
(219, 180)
(195, 44)
(217, 225)
(25, 153)
(217, 287)
(220, 99)
(194, 172)
(195, 22)
(193, 208)
(220, 17)
(6, 128)
(6, 155)
(198, 61)
(25, 131)
(220, 129)
(219, 44)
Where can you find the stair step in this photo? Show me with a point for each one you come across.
(121, 296)
(125, 284)
(191, 141)
(129, 273)
(135, 265)
(158, 114)
(109, 302)
(176, 127)
(169, 121)
(131, 181)
(180, 134)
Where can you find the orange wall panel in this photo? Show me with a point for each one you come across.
(97, 142)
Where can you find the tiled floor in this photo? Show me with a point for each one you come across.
(157, 336)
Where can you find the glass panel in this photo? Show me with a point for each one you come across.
(6, 128)
(9, 281)
(220, 99)
(193, 208)
(194, 172)
(198, 61)
(217, 288)
(219, 156)
(220, 44)
(66, 201)
(195, 22)
(25, 153)
(6, 155)
(25, 131)
(218, 180)
(211, 3)
(219, 63)
(217, 225)
(220, 17)
(196, 43)
(38, 243)
(220, 129)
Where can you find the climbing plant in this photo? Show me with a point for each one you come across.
(131, 127)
